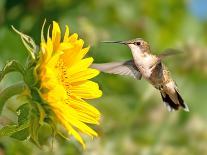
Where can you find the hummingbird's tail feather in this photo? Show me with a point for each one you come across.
(182, 103)
(171, 105)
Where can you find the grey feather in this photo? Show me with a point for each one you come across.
(166, 53)
(121, 68)
(169, 52)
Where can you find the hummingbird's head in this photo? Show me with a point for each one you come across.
(137, 43)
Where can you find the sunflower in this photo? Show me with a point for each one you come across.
(64, 76)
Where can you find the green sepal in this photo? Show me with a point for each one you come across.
(30, 78)
(11, 66)
(34, 127)
(42, 113)
(36, 95)
(37, 144)
(51, 121)
(28, 43)
(45, 132)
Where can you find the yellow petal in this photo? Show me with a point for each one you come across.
(81, 105)
(66, 34)
(74, 120)
(72, 131)
(80, 66)
(55, 59)
(56, 35)
(49, 49)
(65, 46)
(73, 38)
(86, 90)
(83, 75)
(73, 56)
(42, 32)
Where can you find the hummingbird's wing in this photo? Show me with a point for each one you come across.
(166, 53)
(120, 68)
(169, 52)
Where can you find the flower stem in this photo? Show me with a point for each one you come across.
(11, 91)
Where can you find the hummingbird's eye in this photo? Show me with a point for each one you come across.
(137, 43)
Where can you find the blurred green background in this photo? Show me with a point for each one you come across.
(134, 119)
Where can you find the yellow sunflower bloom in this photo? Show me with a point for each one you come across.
(64, 75)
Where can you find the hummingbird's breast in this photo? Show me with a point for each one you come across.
(144, 63)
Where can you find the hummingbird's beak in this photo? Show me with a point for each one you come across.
(116, 42)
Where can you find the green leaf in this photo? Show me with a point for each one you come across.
(21, 135)
(20, 131)
(23, 113)
(11, 129)
(11, 66)
(28, 43)
(11, 91)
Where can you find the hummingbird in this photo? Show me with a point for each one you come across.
(150, 67)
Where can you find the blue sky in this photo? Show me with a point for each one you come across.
(199, 8)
